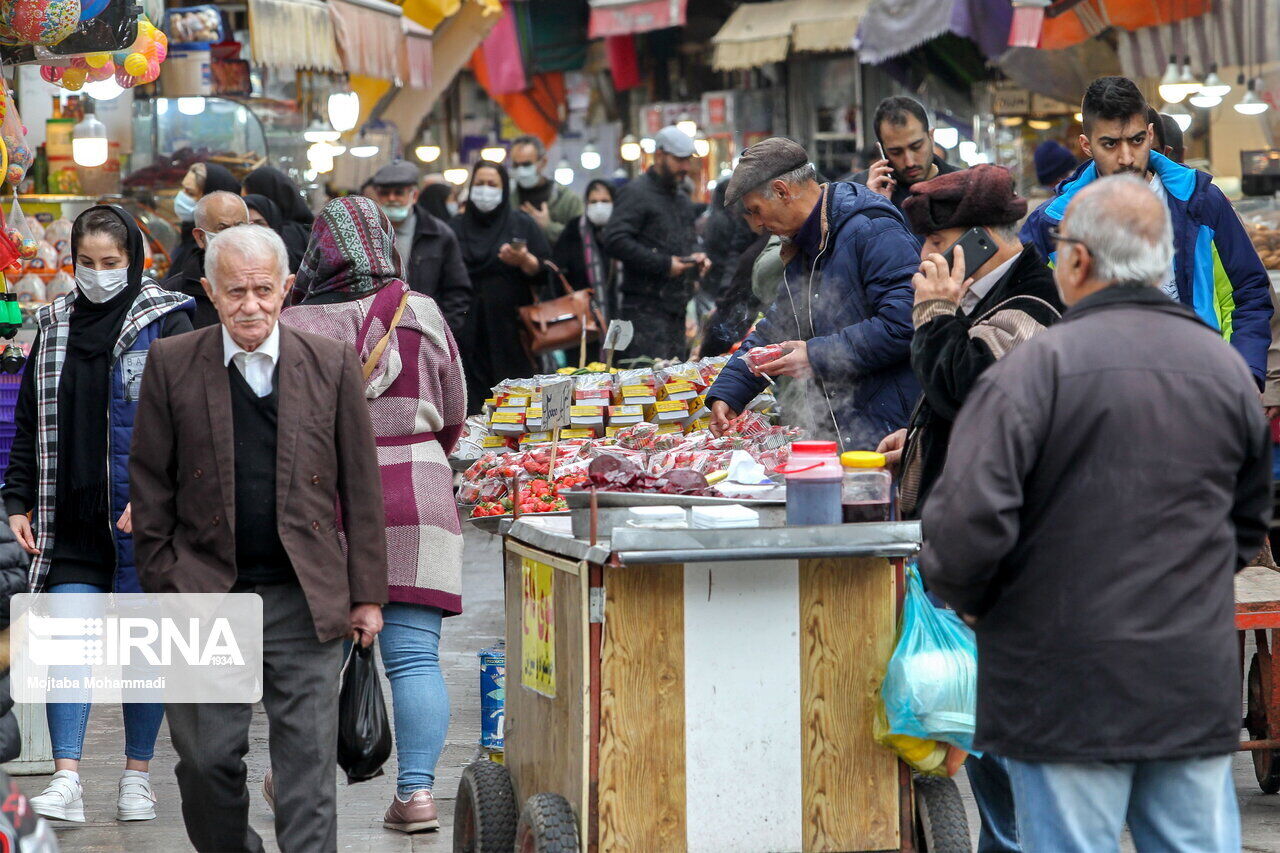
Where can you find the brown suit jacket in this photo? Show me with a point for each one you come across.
(182, 471)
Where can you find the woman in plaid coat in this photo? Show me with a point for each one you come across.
(350, 287)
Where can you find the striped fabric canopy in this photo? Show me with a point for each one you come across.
(1235, 32)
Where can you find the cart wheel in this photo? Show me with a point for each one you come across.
(547, 825)
(1266, 763)
(485, 813)
(941, 824)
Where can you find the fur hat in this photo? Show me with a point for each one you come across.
(982, 195)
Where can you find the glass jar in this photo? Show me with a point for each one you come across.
(866, 487)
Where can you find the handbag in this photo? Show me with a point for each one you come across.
(551, 324)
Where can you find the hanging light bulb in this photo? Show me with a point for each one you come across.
(1251, 104)
(493, 153)
(590, 158)
(564, 172)
(1170, 84)
(947, 137)
(310, 175)
(456, 176)
(320, 157)
(629, 150)
(1179, 114)
(701, 146)
(1187, 80)
(89, 142)
(103, 90)
(1204, 100)
(320, 132)
(426, 150)
(1215, 85)
(687, 125)
(648, 146)
(366, 150)
(344, 110)
(1034, 124)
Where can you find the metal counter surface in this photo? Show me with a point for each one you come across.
(652, 546)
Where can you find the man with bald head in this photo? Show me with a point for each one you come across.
(215, 213)
(1105, 481)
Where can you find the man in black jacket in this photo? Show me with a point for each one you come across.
(651, 232)
(906, 147)
(428, 247)
(964, 322)
(1104, 484)
(215, 213)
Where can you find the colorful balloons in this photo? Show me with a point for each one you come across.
(140, 63)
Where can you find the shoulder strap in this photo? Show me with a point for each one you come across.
(376, 352)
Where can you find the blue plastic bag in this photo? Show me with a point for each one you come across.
(931, 687)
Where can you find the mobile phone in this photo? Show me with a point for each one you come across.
(978, 249)
(880, 148)
(519, 242)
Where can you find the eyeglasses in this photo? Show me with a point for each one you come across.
(1056, 235)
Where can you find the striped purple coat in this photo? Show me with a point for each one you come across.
(417, 401)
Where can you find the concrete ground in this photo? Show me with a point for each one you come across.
(361, 806)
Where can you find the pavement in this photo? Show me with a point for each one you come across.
(360, 806)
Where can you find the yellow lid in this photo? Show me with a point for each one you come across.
(862, 459)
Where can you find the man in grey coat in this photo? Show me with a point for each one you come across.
(1104, 483)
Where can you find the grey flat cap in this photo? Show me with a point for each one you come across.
(674, 141)
(762, 162)
(398, 174)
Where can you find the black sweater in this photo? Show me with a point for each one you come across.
(260, 555)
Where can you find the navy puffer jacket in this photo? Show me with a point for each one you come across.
(859, 329)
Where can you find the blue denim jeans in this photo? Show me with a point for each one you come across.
(989, 780)
(410, 645)
(1179, 806)
(68, 720)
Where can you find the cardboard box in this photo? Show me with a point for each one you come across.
(586, 417)
(669, 412)
(678, 390)
(637, 395)
(625, 415)
(507, 423)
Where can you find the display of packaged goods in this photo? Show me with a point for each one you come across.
(533, 419)
(586, 417)
(668, 412)
(638, 394)
(620, 416)
(678, 389)
(514, 403)
(536, 438)
(507, 423)
(759, 356)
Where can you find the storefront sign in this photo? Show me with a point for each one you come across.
(624, 17)
(717, 111)
(537, 628)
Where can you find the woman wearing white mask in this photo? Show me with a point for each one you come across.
(86, 368)
(580, 251)
(200, 180)
(503, 250)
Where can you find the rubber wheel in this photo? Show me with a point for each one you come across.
(547, 825)
(1266, 762)
(941, 824)
(486, 812)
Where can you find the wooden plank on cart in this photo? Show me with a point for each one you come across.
(546, 738)
(641, 774)
(850, 783)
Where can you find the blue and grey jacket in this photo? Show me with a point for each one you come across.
(1218, 272)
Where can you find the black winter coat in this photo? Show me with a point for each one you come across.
(13, 580)
(650, 225)
(951, 349)
(1103, 485)
(187, 280)
(435, 268)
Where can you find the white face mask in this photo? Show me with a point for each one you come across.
(452, 207)
(485, 198)
(185, 206)
(526, 176)
(598, 212)
(101, 285)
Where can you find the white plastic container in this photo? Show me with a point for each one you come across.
(657, 516)
(186, 71)
(727, 516)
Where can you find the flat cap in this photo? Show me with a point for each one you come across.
(674, 141)
(982, 195)
(764, 161)
(398, 174)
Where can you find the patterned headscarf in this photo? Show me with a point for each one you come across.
(352, 250)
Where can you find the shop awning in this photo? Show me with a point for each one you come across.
(417, 55)
(370, 37)
(758, 33)
(1235, 32)
(293, 34)
(624, 17)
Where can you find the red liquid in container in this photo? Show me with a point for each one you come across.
(864, 511)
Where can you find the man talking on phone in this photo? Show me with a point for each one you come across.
(906, 150)
(969, 312)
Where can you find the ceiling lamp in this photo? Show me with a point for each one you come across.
(1179, 114)
(1170, 84)
(701, 145)
(1039, 124)
(1251, 104)
(564, 173)
(426, 150)
(89, 142)
(1204, 100)
(629, 150)
(320, 132)
(363, 151)
(947, 137)
(590, 158)
(648, 146)
(103, 90)
(1011, 121)
(344, 110)
(1190, 85)
(1215, 85)
(687, 125)
(493, 153)
(457, 176)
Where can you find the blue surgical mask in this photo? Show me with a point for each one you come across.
(527, 177)
(485, 198)
(185, 206)
(452, 207)
(396, 212)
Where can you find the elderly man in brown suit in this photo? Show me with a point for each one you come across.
(246, 435)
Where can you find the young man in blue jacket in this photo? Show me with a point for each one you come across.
(1216, 271)
(843, 312)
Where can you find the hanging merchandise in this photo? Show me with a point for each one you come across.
(139, 63)
(18, 152)
(19, 232)
(39, 22)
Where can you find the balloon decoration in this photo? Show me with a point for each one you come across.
(140, 63)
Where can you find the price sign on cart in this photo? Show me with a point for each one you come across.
(537, 628)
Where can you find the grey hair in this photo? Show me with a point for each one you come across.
(531, 140)
(1008, 233)
(208, 200)
(1127, 247)
(806, 174)
(251, 241)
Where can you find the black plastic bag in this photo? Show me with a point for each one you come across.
(364, 733)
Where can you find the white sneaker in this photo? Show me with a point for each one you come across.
(136, 801)
(62, 800)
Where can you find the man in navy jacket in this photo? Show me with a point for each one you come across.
(843, 313)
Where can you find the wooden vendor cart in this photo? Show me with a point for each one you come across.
(1258, 610)
(701, 690)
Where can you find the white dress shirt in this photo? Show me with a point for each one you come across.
(258, 366)
(982, 286)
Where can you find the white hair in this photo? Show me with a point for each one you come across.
(1113, 220)
(806, 174)
(204, 206)
(246, 241)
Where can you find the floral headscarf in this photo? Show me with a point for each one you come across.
(352, 250)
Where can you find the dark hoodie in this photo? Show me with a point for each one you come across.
(296, 217)
(216, 179)
(83, 552)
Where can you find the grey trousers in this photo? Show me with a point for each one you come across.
(300, 695)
